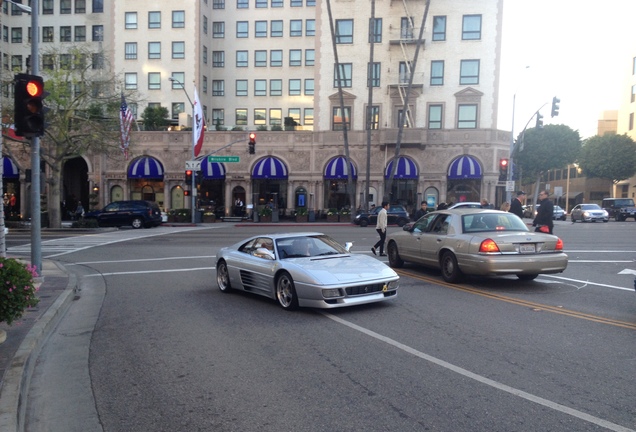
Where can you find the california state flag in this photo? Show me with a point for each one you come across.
(198, 127)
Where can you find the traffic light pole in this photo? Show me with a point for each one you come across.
(36, 227)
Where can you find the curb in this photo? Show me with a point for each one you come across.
(15, 386)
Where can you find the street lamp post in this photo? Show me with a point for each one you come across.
(512, 143)
(193, 195)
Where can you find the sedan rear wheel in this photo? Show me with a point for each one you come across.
(527, 277)
(137, 223)
(394, 256)
(450, 270)
(286, 292)
(223, 277)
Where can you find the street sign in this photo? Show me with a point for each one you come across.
(510, 186)
(230, 159)
(194, 165)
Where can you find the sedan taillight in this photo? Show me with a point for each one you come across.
(488, 245)
(559, 245)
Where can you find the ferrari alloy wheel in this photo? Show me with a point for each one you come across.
(394, 256)
(286, 292)
(223, 276)
(450, 270)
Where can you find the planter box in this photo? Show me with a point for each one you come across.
(333, 218)
(208, 219)
(302, 218)
(267, 218)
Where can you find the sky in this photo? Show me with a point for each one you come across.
(578, 50)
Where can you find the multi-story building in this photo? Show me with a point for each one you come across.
(625, 125)
(270, 65)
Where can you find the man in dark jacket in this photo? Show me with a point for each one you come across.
(545, 212)
(421, 211)
(515, 206)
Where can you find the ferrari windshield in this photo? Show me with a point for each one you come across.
(308, 246)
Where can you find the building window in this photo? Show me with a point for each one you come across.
(260, 58)
(296, 57)
(295, 87)
(437, 72)
(276, 28)
(296, 3)
(242, 4)
(373, 74)
(98, 33)
(65, 7)
(205, 84)
(310, 27)
(261, 3)
(48, 34)
(178, 78)
(130, 49)
(295, 28)
(404, 72)
(205, 24)
(218, 59)
(178, 19)
(154, 50)
(308, 117)
(345, 75)
(65, 34)
(309, 87)
(241, 87)
(471, 27)
(178, 50)
(218, 4)
(66, 61)
(241, 59)
(131, 20)
(344, 31)
(276, 58)
(260, 29)
(218, 88)
(633, 98)
(294, 113)
(154, 20)
(402, 120)
(275, 116)
(218, 116)
(373, 117)
(276, 87)
(48, 62)
(277, 3)
(154, 81)
(80, 6)
(218, 29)
(631, 121)
(469, 72)
(80, 34)
(337, 120)
(406, 28)
(130, 80)
(310, 56)
(205, 54)
(16, 62)
(467, 117)
(375, 33)
(97, 61)
(47, 7)
(435, 116)
(260, 87)
(241, 116)
(242, 29)
(310, 3)
(98, 6)
(260, 116)
(439, 28)
(177, 108)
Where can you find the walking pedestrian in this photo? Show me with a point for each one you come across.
(380, 227)
(545, 213)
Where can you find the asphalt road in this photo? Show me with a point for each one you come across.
(153, 345)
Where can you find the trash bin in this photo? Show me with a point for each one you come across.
(198, 216)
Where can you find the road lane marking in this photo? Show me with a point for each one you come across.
(141, 260)
(479, 378)
(135, 272)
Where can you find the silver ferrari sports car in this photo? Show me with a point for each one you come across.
(476, 242)
(304, 269)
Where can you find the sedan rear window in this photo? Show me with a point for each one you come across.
(481, 222)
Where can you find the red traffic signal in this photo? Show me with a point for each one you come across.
(252, 143)
(503, 163)
(503, 169)
(29, 107)
(188, 176)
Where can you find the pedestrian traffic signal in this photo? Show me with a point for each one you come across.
(503, 169)
(188, 176)
(555, 106)
(251, 145)
(28, 110)
(539, 121)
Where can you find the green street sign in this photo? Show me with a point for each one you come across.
(229, 159)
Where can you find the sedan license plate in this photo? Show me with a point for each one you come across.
(527, 248)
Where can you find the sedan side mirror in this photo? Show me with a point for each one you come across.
(348, 246)
(408, 226)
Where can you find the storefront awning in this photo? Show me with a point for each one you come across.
(465, 167)
(146, 167)
(337, 169)
(406, 169)
(213, 170)
(11, 170)
(270, 168)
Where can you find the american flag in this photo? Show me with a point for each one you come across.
(125, 123)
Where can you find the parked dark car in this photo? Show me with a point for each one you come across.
(138, 214)
(620, 208)
(396, 215)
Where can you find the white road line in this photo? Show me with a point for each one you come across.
(142, 260)
(587, 282)
(135, 272)
(492, 383)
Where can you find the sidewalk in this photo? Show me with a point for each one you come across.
(25, 336)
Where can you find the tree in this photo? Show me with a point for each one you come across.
(155, 118)
(610, 156)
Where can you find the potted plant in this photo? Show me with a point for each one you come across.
(265, 214)
(208, 216)
(302, 214)
(17, 289)
(332, 215)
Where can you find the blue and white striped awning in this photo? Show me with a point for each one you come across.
(11, 170)
(464, 167)
(146, 167)
(337, 169)
(270, 168)
(406, 169)
(212, 170)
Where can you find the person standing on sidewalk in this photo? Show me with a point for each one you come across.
(380, 227)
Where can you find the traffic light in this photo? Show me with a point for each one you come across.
(186, 192)
(555, 106)
(252, 143)
(503, 169)
(28, 110)
(539, 121)
(188, 177)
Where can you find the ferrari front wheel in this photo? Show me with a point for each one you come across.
(223, 277)
(286, 292)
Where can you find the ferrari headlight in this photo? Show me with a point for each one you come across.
(331, 293)
(394, 284)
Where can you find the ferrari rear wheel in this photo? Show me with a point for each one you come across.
(223, 277)
(450, 270)
(394, 256)
(286, 292)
